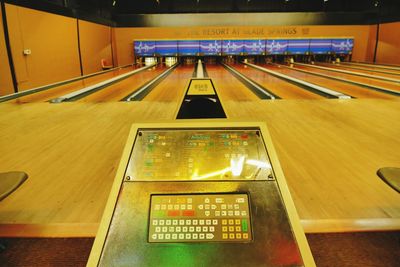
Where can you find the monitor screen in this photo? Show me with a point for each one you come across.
(188, 48)
(210, 47)
(320, 46)
(145, 48)
(167, 48)
(254, 47)
(299, 46)
(342, 46)
(276, 47)
(232, 47)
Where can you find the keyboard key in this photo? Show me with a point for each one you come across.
(154, 236)
(174, 236)
(217, 213)
(232, 236)
(198, 229)
(230, 213)
(209, 236)
(188, 222)
(230, 221)
(195, 236)
(238, 236)
(158, 229)
(189, 207)
(171, 229)
(160, 236)
(207, 206)
(223, 213)
(188, 236)
(173, 213)
(224, 228)
(215, 222)
(174, 222)
(213, 207)
(237, 228)
(237, 221)
(155, 222)
(191, 229)
(224, 222)
(208, 222)
(212, 229)
(188, 213)
(201, 222)
(181, 236)
(237, 213)
(194, 222)
(223, 207)
(178, 229)
(219, 200)
(244, 225)
(184, 229)
(168, 222)
(236, 206)
(224, 236)
(161, 222)
(201, 236)
(245, 236)
(167, 236)
(164, 229)
(169, 207)
(205, 229)
(207, 213)
(181, 222)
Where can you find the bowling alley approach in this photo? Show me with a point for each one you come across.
(200, 133)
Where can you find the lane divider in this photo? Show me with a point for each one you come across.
(368, 86)
(257, 89)
(313, 87)
(140, 93)
(52, 85)
(199, 70)
(95, 87)
(351, 73)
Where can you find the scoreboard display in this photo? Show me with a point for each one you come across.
(299, 46)
(145, 48)
(167, 48)
(342, 46)
(232, 47)
(254, 47)
(210, 47)
(188, 47)
(276, 47)
(320, 46)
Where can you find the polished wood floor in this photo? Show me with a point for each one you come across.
(329, 150)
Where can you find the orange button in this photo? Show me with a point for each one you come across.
(173, 213)
(188, 213)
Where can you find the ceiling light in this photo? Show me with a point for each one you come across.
(376, 3)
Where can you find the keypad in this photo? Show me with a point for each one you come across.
(200, 218)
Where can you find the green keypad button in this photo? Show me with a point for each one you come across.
(159, 213)
(244, 225)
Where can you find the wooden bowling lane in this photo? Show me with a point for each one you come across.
(368, 81)
(282, 88)
(172, 88)
(70, 87)
(374, 66)
(119, 90)
(227, 86)
(363, 70)
(346, 88)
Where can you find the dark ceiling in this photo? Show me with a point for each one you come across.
(110, 11)
(221, 6)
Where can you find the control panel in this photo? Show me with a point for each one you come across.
(200, 218)
(199, 155)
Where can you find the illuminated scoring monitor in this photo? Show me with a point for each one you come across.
(254, 47)
(185, 155)
(276, 47)
(342, 46)
(188, 47)
(298, 46)
(210, 47)
(167, 48)
(232, 47)
(320, 46)
(145, 48)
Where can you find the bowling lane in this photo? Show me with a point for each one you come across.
(348, 89)
(282, 88)
(368, 81)
(172, 88)
(393, 68)
(227, 86)
(360, 69)
(70, 87)
(119, 90)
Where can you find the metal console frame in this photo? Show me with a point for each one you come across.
(293, 218)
